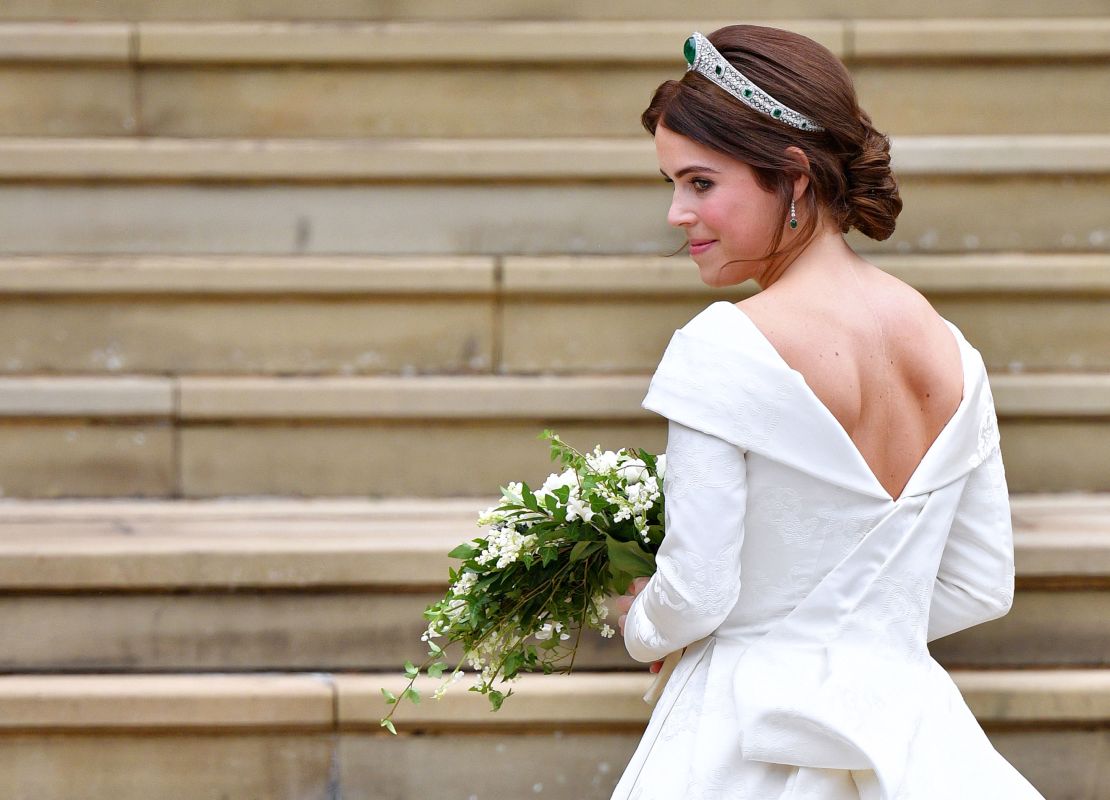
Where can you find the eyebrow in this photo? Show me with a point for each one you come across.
(689, 169)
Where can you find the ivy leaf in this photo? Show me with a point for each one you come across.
(496, 698)
(388, 724)
(578, 552)
(436, 669)
(412, 694)
(464, 551)
(435, 648)
(389, 696)
(629, 557)
(411, 670)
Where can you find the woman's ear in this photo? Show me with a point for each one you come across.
(798, 156)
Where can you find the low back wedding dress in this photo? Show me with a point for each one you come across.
(805, 595)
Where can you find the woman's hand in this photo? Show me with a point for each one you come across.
(624, 602)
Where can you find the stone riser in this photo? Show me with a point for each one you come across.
(357, 629)
(500, 333)
(503, 101)
(943, 214)
(301, 457)
(291, 738)
(563, 765)
(519, 9)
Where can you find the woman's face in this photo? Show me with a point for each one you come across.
(720, 207)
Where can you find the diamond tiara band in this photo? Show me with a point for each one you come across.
(703, 57)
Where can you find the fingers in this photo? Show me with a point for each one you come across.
(620, 622)
(638, 585)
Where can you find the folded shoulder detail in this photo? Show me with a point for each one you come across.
(720, 375)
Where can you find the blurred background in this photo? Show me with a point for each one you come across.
(288, 289)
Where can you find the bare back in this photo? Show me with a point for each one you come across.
(894, 392)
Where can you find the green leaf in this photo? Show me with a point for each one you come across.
(412, 694)
(388, 724)
(629, 557)
(578, 552)
(512, 665)
(436, 669)
(464, 551)
(411, 670)
(496, 698)
(529, 498)
(389, 696)
(435, 648)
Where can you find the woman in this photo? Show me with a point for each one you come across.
(835, 494)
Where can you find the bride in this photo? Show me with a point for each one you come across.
(835, 493)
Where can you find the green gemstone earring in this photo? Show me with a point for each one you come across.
(793, 217)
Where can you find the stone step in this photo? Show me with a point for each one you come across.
(499, 10)
(339, 585)
(292, 737)
(348, 315)
(961, 194)
(338, 436)
(483, 78)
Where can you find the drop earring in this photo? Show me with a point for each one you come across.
(793, 217)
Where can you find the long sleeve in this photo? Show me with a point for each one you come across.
(975, 581)
(697, 578)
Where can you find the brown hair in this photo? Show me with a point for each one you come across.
(849, 162)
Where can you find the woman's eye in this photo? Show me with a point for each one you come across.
(701, 184)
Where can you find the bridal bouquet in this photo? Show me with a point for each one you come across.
(542, 570)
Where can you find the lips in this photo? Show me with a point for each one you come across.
(700, 245)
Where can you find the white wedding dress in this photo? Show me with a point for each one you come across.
(805, 594)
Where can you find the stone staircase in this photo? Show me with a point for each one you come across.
(288, 289)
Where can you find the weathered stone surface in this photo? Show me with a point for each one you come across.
(356, 629)
(76, 459)
(384, 460)
(1056, 456)
(66, 100)
(121, 159)
(1018, 332)
(456, 100)
(230, 766)
(981, 108)
(51, 42)
(165, 702)
(530, 219)
(524, 9)
(472, 100)
(554, 764)
(348, 336)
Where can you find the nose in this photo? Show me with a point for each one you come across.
(679, 214)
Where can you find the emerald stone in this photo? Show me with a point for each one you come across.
(793, 223)
(748, 93)
(776, 113)
(720, 70)
(690, 50)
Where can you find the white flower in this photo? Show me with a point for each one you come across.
(633, 470)
(548, 630)
(578, 508)
(465, 582)
(491, 516)
(661, 465)
(602, 462)
(607, 632)
(505, 545)
(553, 482)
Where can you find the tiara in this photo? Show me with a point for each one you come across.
(703, 57)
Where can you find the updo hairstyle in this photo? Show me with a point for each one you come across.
(849, 162)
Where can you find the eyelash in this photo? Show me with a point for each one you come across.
(695, 181)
